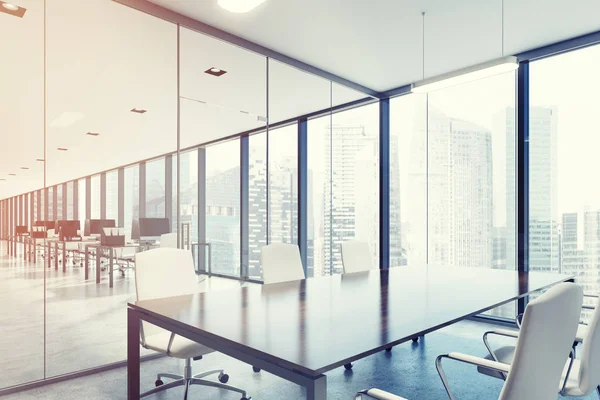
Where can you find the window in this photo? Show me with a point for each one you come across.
(82, 210)
(70, 200)
(112, 195)
(257, 202)
(131, 197)
(223, 206)
(408, 180)
(95, 199)
(283, 184)
(343, 186)
(50, 203)
(188, 193)
(59, 202)
(471, 176)
(155, 188)
(564, 201)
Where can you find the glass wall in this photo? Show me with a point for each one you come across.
(257, 202)
(70, 200)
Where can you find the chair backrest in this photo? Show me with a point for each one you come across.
(356, 256)
(281, 262)
(164, 272)
(168, 240)
(589, 371)
(545, 339)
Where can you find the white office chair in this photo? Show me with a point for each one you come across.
(543, 346)
(578, 380)
(356, 256)
(281, 262)
(168, 240)
(376, 394)
(163, 273)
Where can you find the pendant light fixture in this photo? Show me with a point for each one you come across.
(468, 74)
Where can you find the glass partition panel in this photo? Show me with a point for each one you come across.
(223, 207)
(21, 280)
(111, 103)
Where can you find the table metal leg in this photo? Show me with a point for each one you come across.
(64, 256)
(97, 266)
(317, 389)
(56, 256)
(133, 354)
(86, 263)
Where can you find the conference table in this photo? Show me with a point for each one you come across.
(300, 330)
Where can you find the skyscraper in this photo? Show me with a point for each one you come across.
(460, 192)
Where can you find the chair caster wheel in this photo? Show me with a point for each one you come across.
(158, 383)
(348, 366)
(255, 369)
(246, 398)
(388, 349)
(223, 378)
(415, 339)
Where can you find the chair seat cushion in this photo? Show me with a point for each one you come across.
(382, 395)
(505, 355)
(181, 348)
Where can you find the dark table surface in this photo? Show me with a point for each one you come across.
(318, 324)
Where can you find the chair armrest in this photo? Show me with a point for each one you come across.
(504, 332)
(591, 295)
(477, 361)
(480, 362)
(378, 395)
(500, 332)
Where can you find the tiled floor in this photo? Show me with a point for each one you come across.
(85, 327)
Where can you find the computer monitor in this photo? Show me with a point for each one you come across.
(21, 230)
(94, 226)
(47, 224)
(68, 229)
(142, 228)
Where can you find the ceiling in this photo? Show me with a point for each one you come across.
(103, 59)
(378, 43)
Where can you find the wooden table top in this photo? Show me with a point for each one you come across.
(319, 324)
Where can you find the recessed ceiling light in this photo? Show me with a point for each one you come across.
(12, 174)
(93, 134)
(239, 6)
(10, 7)
(138, 110)
(39, 159)
(215, 71)
(62, 149)
(2, 179)
(24, 167)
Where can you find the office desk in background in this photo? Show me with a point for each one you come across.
(300, 330)
(103, 251)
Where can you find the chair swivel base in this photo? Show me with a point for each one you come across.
(179, 380)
